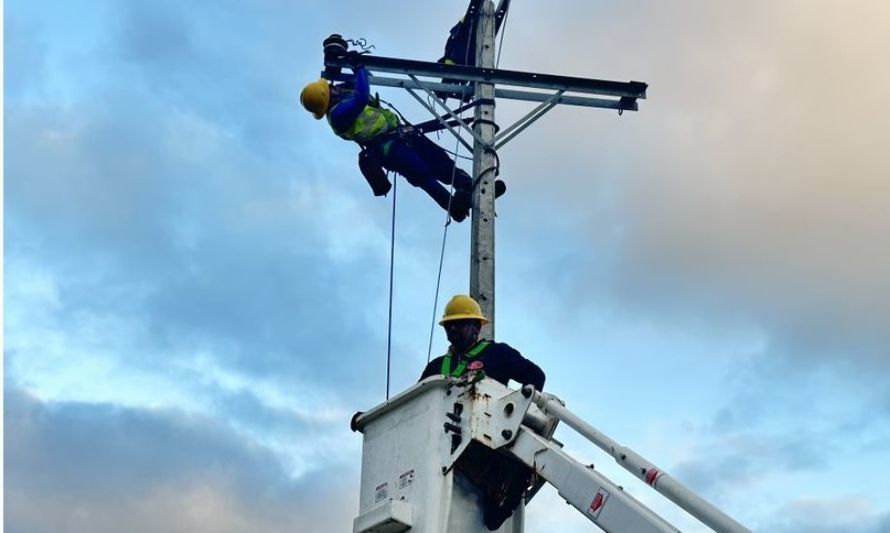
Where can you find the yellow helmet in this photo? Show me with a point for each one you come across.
(316, 97)
(462, 307)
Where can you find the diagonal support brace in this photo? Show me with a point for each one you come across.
(527, 120)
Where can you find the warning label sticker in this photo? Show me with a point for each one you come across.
(380, 492)
(599, 501)
(406, 479)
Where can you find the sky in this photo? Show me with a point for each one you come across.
(196, 276)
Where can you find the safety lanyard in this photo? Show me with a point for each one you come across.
(462, 366)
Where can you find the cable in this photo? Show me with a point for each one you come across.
(392, 255)
(429, 350)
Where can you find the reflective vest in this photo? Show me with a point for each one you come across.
(370, 123)
(462, 366)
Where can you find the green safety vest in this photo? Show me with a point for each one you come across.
(370, 123)
(462, 366)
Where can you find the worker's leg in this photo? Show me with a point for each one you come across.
(441, 164)
(407, 162)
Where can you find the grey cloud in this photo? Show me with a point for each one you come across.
(159, 200)
(736, 459)
(82, 467)
(726, 197)
(827, 515)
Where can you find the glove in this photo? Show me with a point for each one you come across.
(354, 59)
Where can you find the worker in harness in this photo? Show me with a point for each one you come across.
(501, 479)
(462, 321)
(460, 47)
(387, 143)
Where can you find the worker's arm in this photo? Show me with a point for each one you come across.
(433, 368)
(524, 371)
(344, 114)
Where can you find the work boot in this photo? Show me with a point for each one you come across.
(460, 205)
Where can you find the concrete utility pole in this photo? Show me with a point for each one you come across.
(484, 165)
(484, 84)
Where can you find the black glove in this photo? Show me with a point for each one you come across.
(354, 59)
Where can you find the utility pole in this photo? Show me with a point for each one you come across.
(484, 83)
(476, 87)
(484, 171)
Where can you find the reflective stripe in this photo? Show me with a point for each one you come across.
(462, 366)
(370, 123)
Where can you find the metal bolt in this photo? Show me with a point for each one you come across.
(507, 434)
(508, 409)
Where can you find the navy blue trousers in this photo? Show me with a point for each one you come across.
(426, 165)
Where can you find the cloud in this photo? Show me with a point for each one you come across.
(90, 467)
(165, 215)
(743, 191)
(734, 461)
(181, 236)
(823, 515)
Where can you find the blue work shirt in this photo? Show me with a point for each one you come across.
(345, 113)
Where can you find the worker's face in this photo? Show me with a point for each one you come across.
(462, 333)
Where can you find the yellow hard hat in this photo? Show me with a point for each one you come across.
(316, 97)
(462, 307)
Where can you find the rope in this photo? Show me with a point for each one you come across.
(429, 350)
(456, 154)
(392, 255)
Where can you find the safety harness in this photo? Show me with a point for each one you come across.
(462, 366)
(372, 121)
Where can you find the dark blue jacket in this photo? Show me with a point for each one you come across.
(500, 362)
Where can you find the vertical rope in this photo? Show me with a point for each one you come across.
(429, 349)
(392, 255)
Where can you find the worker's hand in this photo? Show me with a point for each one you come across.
(354, 59)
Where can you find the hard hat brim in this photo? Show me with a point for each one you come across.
(452, 318)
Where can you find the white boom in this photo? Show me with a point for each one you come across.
(411, 444)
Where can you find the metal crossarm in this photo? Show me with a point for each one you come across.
(630, 89)
(623, 104)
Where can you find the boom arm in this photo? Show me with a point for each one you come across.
(600, 500)
(643, 469)
(597, 498)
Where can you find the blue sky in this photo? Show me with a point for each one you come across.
(195, 289)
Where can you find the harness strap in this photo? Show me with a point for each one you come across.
(462, 366)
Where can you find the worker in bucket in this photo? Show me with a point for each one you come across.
(386, 143)
(501, 479)
(462, 322)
